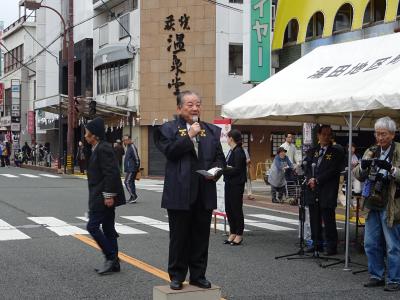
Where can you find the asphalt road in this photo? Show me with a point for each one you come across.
(42, 259)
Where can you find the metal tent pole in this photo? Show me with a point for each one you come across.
(348, 194)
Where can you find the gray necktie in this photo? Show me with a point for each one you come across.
(320, 156)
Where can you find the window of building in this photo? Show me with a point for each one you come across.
(103, 35)
(398, 10)
(343, 19)
(112, 78)
(236, 1)
(315, 26)
(374, 12)
(291, 32)
(13, 59)
(235, 59)
(124, 26)
(135, 4)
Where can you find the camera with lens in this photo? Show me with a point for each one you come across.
(376, 180)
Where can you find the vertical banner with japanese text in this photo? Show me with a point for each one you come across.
(260, 40)
(1, 97)
(225, 126)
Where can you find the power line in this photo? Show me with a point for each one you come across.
(47, 50)
(55, 40)
(16, 58)
(224, 5)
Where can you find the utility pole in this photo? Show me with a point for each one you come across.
(70, 133)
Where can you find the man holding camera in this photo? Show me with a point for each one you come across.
(379, 170)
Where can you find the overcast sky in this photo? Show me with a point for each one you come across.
(8, 11)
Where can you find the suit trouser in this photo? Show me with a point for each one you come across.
(234, 207)
(188, 245)
(328, 216)
(130, 183)
(107, 237)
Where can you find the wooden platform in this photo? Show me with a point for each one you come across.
(188, 292)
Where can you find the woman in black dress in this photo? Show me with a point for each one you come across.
(235, 179)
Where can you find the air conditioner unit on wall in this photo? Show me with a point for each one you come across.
(122, 100)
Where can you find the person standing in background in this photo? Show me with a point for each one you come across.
(235, 176)
(248, 175)
(119, 153)
(80, 157)
(131, 167)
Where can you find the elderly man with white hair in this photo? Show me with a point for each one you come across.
(379, 170)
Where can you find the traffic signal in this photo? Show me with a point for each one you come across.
(92, 108)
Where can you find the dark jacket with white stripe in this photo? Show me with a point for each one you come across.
(104, 178)
(132, 160)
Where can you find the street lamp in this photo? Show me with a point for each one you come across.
(32, 5)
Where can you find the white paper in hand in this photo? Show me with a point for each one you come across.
(209, 173)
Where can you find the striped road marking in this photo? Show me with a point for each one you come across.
(9, 175)
(120, 228)
(30, 175)
(268, 226)
(50, 176)
(8, 232)
(58, 226)
(274, 218)
(148, 221)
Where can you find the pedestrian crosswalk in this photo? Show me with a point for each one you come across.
(42, 175)
(130, 225)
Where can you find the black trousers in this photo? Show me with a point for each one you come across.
(234, 207)
(328, 216)
(107, 237)
(189, 232)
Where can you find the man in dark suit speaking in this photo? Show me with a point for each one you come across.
(327, 162)
(189, 145)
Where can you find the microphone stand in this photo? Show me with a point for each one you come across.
(316, 254)
(302, 219)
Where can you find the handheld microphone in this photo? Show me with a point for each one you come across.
(196, 119)
(313, 165)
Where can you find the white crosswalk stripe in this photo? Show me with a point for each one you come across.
(150, 185)
(120, 228)
(50, 175)
(275, 218)
(8, 232)
(58, 226)
(268, 226)
(148, 221)
(9, 175)
(30, 175)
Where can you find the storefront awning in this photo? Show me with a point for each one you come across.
(52, 105)
(112, 53)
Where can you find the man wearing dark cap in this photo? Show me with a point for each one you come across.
(105, 193)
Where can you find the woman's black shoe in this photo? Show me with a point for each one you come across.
(226, 242)
(233, 243)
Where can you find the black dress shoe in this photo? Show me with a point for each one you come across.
(392, 287)
(226, 242)
(110, 266)
(175, 285)
(201, 283)
(374, 282)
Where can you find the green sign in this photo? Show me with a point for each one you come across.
(260, 41)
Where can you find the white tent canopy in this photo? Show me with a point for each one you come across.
(362, 77)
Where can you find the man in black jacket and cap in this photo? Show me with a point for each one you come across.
(105, 193)
(189, 145)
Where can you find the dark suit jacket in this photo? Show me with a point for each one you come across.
(182, 185)
(238, 173)
(103, 176)
(327, 175)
